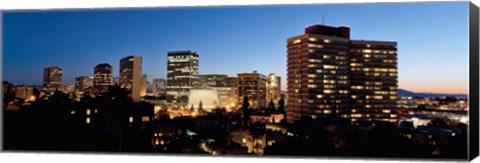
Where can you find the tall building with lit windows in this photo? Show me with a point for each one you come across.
(102, 78)
(131, 75)
(82, 85)
(273, 88)
(252, 85)
(374, 84)
(158, 86)
(182, 75)
(53, 79)
(325, 68)
(318, 73)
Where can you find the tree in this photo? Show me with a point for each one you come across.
(281, 105)
(245, 104)
(271, 105)
(200, 106)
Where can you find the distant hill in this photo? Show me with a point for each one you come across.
(406, 93)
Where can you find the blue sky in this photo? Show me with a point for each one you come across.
(432, 39)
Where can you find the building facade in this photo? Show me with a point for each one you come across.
(182, 75)
(252, 85)
(225, 86)
(103, 78)
(374, 84)
(24, 92)
(320, 75)
(82, 85)
(159, 86)
(52, 79)
(131, 76)
(273, 88)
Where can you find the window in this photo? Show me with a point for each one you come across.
(87, 120)
(130, 119)
(145, 119)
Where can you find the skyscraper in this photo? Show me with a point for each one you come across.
(252, 85)
(182, 75)
(52, 79)
(273, 88)
(82, 85)
(144, 85)
(102, 78)
(131, 75)
(318, 75)
(159, 86)
(326, 76)
(373, 66)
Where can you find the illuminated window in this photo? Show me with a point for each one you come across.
(145, 119)
(319, 96)
(312, 39)
(326, 41)
(312, 86)
(328, 91)
(327, 111)
(297, 41)
(329, 81)
(329, 67)
(367, 51)
(356, 115)
(88, 111)
(244, 140)
(87, 120)
(328, 86)
(386, 111)
(130, 119)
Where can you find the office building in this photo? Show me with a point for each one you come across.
(52, 79)
(24, 92)
(325, 68)
(159, 87)
(182, 75)
(131, 75)
(374, 84)
(102, 78)
(82, 85)
(252, 85)
(273, 88)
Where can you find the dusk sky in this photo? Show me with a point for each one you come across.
(432, 39)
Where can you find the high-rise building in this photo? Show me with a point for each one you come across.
(273, 88)
(159, 86)
(82, 85)
(52, 79)
(103, 78)
(182, 75)
(319, 75)
(373, 80)
(131, 75)
(252, 85)
(144, 86)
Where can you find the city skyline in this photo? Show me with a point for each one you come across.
(101, 31)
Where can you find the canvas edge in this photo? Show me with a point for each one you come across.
(473, 134)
